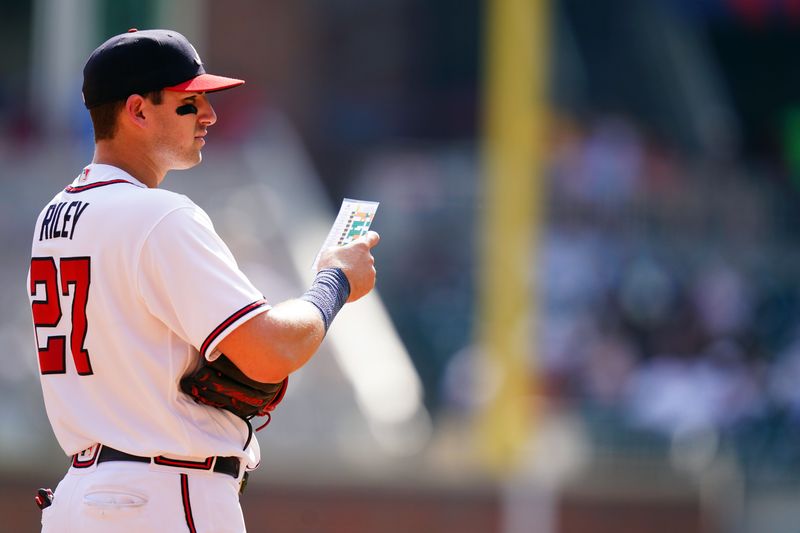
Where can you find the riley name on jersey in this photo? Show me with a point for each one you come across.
(61, 219)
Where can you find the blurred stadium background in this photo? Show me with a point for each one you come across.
(589, 301)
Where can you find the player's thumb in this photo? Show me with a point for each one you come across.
(371, 238)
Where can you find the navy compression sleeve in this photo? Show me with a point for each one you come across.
(328, 293)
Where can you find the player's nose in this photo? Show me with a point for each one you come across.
(206, 114)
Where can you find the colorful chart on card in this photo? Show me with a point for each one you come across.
(354, 219)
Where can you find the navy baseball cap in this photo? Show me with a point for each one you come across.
(138, 62)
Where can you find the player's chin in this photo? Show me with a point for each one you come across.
(194, 156)
(189, 161)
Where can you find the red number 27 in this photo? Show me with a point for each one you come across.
(73, 271)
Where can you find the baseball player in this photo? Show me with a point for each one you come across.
(154, 348)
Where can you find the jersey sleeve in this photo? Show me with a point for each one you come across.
(189, 280)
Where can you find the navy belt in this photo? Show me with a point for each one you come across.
(223, 465)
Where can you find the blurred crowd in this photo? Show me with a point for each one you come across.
(668, 305)
(668, 298)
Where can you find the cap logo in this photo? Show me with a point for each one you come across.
(196, 55)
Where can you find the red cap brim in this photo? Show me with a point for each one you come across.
(206, 83)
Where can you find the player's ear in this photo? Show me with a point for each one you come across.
(134, 109)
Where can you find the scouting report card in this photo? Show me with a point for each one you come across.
(353, 221)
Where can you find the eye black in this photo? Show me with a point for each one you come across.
(186, 109)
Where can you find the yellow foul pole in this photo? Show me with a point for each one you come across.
(514, 114)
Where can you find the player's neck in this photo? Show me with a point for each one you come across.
(129, 160)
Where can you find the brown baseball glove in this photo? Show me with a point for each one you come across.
(221, 384)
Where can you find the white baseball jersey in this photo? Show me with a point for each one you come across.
(127, 285)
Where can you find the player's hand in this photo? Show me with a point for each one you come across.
(356, 261)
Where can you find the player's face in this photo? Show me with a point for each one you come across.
(180, 134)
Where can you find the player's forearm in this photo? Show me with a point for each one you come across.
(274, 344)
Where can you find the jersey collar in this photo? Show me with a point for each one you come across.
(98, 173)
